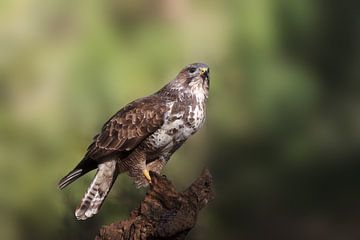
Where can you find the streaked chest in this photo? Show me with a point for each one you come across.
(180, 122)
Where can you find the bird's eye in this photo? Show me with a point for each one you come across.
(192, 70)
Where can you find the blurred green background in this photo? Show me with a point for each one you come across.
(282, 135)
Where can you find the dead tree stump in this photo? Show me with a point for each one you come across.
(164, 213)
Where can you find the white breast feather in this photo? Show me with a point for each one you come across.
(163, 138)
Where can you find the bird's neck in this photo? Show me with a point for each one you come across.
(184, 94)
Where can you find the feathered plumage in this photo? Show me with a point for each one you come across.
(142, 136)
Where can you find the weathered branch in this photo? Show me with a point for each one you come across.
(164, 213)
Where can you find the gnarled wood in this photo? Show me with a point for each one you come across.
(164, 213)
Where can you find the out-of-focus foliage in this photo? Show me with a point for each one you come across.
(283, 130)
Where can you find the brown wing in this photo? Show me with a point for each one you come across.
(121, 134)
(128, 127)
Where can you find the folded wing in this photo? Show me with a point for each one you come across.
(120, 135)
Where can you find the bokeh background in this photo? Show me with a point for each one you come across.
(282, 136)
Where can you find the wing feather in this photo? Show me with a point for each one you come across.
(128, 128)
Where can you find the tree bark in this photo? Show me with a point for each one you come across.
(164, 214)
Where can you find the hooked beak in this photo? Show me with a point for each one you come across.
(204, 73)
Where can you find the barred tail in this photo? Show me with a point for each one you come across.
(98, 190)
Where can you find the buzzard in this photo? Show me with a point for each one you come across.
(142, 136)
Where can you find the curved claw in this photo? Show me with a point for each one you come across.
(147, 175)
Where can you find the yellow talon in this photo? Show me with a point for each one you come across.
(147, 175)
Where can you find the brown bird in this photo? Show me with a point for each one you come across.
(142, 136)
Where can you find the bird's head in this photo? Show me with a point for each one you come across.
(195, 75)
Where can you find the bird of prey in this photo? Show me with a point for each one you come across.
(142, 136)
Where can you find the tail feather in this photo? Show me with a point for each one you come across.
(72, 176)
(82, 168)
(98, 190)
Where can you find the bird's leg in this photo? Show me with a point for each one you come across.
(156, 165)
(147, 175)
